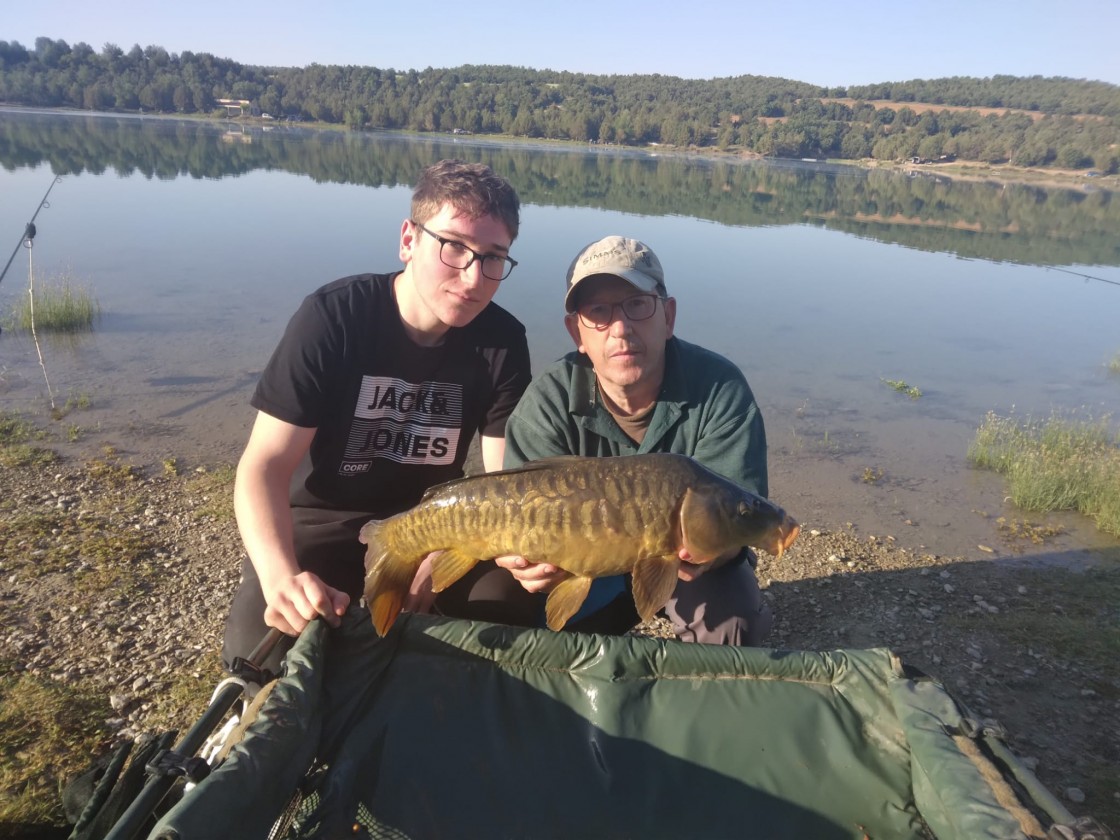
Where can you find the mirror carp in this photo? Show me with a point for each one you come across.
(590, 516)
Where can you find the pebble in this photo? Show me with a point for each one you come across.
(1075, 795)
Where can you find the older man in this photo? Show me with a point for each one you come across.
(633, 387)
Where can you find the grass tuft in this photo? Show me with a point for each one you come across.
(215, 491)
(1056, 464)
(59, 305)
(903, 387)
(49, 732)
(17, 448)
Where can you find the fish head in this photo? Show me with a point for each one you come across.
(717, 518)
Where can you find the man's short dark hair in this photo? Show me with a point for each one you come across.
(473, 189)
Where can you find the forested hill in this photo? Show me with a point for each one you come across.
(1033, 121)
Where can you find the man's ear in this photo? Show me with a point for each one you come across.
(571, 322)
(409, 235)
(670, 305)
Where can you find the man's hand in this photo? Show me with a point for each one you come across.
(420, 595)
(535, 577)
(690, 570)
(294, 601)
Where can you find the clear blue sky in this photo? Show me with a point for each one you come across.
(823, 42)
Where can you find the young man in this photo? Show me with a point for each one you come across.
(632, 387)
(372, 396)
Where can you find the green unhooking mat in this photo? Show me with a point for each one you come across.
(454, 729)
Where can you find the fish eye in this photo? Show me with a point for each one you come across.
(744, 509)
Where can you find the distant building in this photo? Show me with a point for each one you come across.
(230, 104)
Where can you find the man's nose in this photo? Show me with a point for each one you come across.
(472, 275)
(620, 324)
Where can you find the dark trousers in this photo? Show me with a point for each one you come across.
(723, 607)
(327, 544)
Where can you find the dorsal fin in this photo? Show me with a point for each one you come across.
(527, 467)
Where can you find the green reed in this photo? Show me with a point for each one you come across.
(57, 305)
(1061, 463)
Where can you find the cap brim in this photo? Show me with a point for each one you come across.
(641, 282)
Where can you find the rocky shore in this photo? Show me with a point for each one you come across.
(117, 578)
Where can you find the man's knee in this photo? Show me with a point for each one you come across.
(724, 607)
(245, 628)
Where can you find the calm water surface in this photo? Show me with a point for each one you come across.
(819, 282)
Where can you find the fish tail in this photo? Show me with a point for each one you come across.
(387, 581)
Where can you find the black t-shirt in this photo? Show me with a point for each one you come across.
(392, 418)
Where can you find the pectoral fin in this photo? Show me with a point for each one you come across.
(565, 600)
(448, 566)
(654, 580)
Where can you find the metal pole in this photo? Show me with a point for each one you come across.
(146, 802)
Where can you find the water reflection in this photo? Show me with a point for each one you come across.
(985, 220)
(821, 282)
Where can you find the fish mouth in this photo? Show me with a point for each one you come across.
(787, 533)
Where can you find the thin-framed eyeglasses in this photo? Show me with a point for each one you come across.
(455, 254)
(599, 316)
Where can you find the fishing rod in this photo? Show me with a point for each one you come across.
(29, 231)
(1083, 276)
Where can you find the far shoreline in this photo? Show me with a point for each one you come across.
(962, 170)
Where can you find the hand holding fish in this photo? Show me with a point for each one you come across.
(421, 597)
(544, 577)
(534, 577)
(293, 601)
(690, 569)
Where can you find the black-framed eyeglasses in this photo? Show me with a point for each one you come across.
(599, 316)
(455, 254)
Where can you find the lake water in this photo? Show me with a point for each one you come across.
(199, 240)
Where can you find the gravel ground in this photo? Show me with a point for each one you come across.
(148, 639)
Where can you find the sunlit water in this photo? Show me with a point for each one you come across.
(196, 279)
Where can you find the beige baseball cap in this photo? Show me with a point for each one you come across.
(629, 259)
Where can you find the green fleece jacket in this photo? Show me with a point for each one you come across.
(705, 410)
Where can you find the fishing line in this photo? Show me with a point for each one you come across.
(29, 231)
(34, 335)
(1083, 276)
